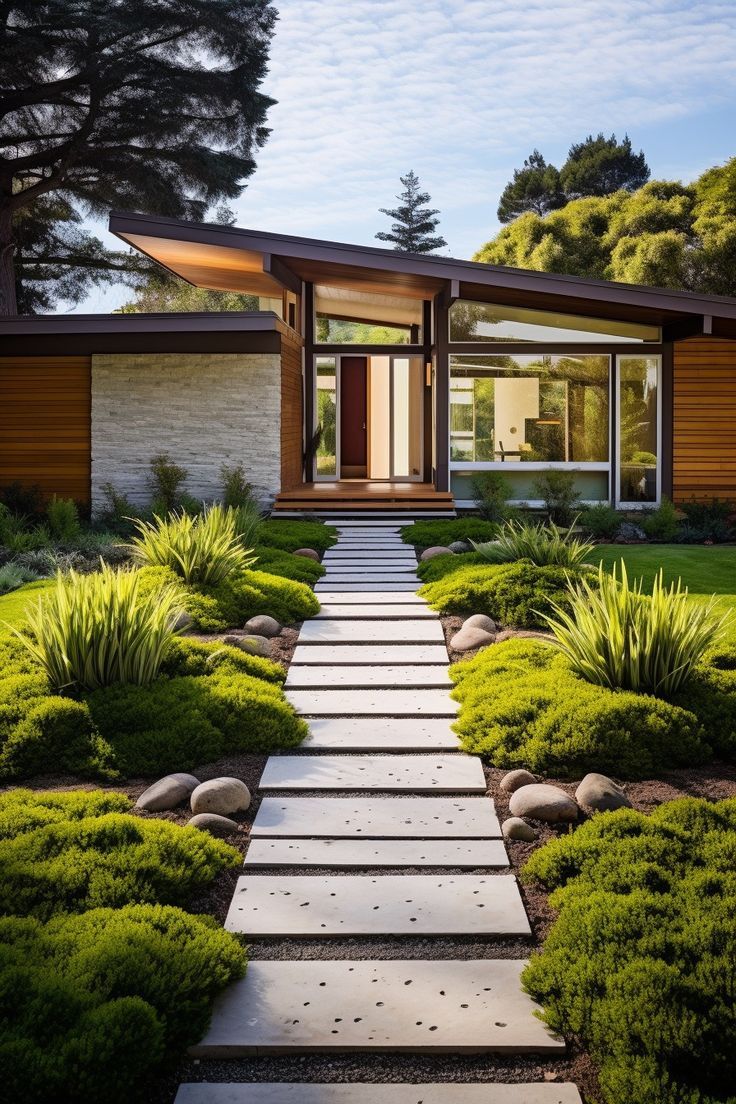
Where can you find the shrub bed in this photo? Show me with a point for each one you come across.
(290, 535)
(426, 534)
(640, 962)
(522, 706)
(276, 561)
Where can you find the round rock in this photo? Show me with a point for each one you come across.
(459, 546)
(253, 645)
(435, 550)
(309, 553)
(263, 625)
(517, 829)
(515, 779)
(480, 621)
(167, 793)
(543, 802)
(601, 794)
(214, 824)
(220, 795)
(469, 637)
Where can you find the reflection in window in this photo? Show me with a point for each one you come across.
(471, 321)
(326, 413)
(346, 316)
(529, 408)
(638, 433)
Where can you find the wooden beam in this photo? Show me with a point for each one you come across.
(280, 271)
(449, 294)
(441, 393)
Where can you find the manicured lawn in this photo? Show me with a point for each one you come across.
(12, 606)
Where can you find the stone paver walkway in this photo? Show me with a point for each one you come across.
(370, 676)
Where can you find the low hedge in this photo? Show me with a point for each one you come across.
(522, 706)
(515, 594)
(92, 1004)
(639, 964)
(278, 562)
(426, 534)
(210, 701)
(290, 535)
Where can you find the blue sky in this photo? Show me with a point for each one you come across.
(462, 90)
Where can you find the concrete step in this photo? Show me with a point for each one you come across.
(368, 654)
(416, 631)
(379, 702)
(396, 676)
(388, 734)
(377, 818)
(446, 1092)
(365, 853)
(437, 773)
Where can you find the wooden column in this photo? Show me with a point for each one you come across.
(442, 394)
(308, 379)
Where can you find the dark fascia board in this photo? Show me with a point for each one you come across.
(194, 322)
(289, 246)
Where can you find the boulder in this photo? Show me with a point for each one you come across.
(309, 553)
(253, 645)
(183, 622)
(263, 625)
(459, 546)
(214, 824)
(602, 794)
(629, 531)
(220, 795)
(480, 621)
(542, 802)
(435, 550)
(468, 638)
(515, 779)
(517, 829)
(167, 793)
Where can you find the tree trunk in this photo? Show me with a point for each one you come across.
(8, 301)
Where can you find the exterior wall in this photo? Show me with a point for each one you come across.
(292, 414)
(44, 424)
(704, 419)
(203, 409)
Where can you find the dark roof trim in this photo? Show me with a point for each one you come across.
(194, 322)
(438, 268)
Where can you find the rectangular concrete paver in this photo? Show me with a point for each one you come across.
(373, 598)
(387, 675)
(381, 702)
(365, 565)
(378, 818)
(446, 1092)
(442, 1006)
(357, 654)
(385, 578)
(380, 734)
(449, 773)
(416, 631)
(365, 588)
(387, 904)
(366, 853)
(387, 552)
(383, 610)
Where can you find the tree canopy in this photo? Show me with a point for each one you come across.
(151, 106)
(414, 223)
(535, 187)
(664, 234)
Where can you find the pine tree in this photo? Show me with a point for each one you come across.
(152, 106)
(414, 222)
(535, 187)
(600, 166)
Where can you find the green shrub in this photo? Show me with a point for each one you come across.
(248, 521)
(287, 566)
(662, 524)
(236, 490)
(447, 563)
(518, 594)
(24, 810)
(427, 534)
(617, 636)
(13, 576)
(166, 480)
(600, 521)
(640, 962)
(290, 535)
(707, 521)
(119, 511)
(202, 550)
(93, 1004)
(94, 630)
(491, 493)
(523, 706)
(543, 545)
(63, 520)
(557, 491)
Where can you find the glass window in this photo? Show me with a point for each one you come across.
(326, 415)
(490, 322)
(638, 428)
(346, 316)
(529, 408)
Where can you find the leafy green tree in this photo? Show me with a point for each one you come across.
(600, 166)
(414, 223)
(535, 187)
(154, 106)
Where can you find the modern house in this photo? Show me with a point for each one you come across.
(367, 378)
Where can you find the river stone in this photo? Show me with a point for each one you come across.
(253, 645)
(263, 625)
(600, 793)
(469, 637)
(459, 546)
(214, 824)
(515, 779)
(220, 795)
(167, 793)
(543, 802)
(435, 550)
(517, 829)
(480, 621)
(309, 553)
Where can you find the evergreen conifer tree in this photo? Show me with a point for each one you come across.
(414, 223)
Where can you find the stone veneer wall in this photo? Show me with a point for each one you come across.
(203, 409)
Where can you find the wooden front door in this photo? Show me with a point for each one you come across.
(353, 416)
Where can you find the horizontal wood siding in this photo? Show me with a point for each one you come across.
(292, 416)
(45, 413)
(704, 415)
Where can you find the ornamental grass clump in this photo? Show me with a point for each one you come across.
(542, 545)
(615, 635)
(94, 630)
(202, 550)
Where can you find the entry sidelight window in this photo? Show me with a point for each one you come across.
(326, 416)
(638, 419)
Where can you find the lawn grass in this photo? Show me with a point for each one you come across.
(13, 605)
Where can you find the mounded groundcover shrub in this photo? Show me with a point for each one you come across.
(209, 701)
(290, 535)
(641, 962)
(426, 534)
(92, 1004)
(275, 561)
(517, 594)
(522, 706)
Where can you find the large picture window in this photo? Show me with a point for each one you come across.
(529, 408)
(638, 419)
(470, 321)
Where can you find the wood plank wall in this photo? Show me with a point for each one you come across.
(45, 419)
(292, 416)
(704, 414)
